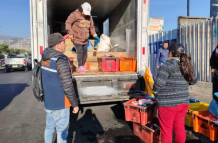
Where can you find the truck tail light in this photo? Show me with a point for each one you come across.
(24, 61)
(4, 61)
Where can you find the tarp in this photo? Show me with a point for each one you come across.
(149, 83)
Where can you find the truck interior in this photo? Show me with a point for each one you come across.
(111, 17)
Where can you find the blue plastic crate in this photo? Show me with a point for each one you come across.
(193, 100)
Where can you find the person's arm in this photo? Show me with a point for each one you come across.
(92, 27)
(213, 62)
(68, 24)
(64, 72)
(161, 79)
(157, 57)
(194, 81)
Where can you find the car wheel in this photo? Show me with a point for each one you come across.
(25, 68)
(7, 70)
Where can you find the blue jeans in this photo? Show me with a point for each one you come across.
(58, 119)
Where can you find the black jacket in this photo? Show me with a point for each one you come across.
(214, 60)
(64, 72)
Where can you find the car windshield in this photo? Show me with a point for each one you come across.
(17, 56)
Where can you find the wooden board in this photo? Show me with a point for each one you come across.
(93, 58)
(103, 73)
(70, 45)
(93, 66)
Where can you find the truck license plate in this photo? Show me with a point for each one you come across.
(14, 66)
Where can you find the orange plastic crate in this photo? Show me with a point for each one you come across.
(138, 114)
(128, 63)
(204, 125)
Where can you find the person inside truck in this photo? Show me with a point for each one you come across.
(214, 68)
(78, 24)
(162, 55)
(171, 92)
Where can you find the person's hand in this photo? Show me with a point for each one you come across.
(157, 67)
(213, 71)
(75, 110)
(70, 37)
(96, 43)
(97, 38)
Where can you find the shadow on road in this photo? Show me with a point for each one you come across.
(193, 141)
(8, 92)
(127, 139)
(119, 113)
(85, 129)
(14, 70)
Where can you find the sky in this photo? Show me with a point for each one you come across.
(15, 14)
(171, 9)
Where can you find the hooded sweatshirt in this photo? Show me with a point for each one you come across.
(79, 26)
(55, 101)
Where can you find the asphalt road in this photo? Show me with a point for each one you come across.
(22, 117)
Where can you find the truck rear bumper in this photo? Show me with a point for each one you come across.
(14, 66)
(106, 99)
(106, 88)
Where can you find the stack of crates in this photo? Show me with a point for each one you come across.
(202, 120)
(142, 116)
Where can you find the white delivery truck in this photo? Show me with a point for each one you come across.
(124, 21)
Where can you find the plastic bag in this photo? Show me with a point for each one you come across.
(89, 45)
(213, 108)
(104, 45)
(149, 83)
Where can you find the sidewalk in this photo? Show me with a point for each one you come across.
(200, 96)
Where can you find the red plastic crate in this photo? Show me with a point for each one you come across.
(108, 64)
(138, 114)
(71, 63)
(147, 134)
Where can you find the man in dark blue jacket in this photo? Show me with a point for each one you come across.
(162, 55)
(58, 88)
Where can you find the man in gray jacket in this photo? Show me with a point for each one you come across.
(58, 88)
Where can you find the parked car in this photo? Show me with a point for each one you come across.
(16, 61)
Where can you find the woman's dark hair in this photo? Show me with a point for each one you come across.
(186, 67)
(176, 49)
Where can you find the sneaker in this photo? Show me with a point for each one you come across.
(81, 70)
(85, 69)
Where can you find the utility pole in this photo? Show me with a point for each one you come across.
(187, 7)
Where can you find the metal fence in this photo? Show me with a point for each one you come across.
(155, 42)
(199, 39)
